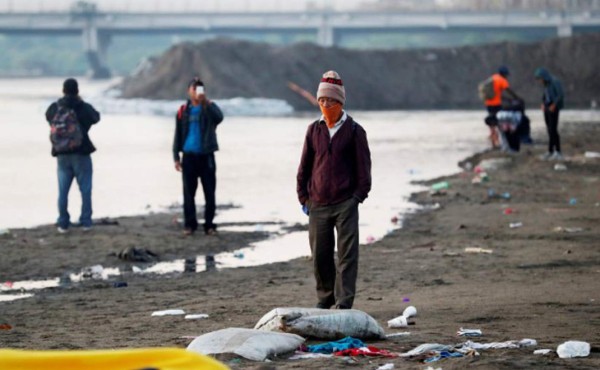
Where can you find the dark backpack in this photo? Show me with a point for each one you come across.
(486, 89)
(65, 131)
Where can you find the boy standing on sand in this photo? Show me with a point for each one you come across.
(334, 176)
(552, 103)
(195, 135)
(494, 104)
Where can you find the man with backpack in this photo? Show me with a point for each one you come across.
(70, 120)
(490, 91)
(196, 137)
(334, 176)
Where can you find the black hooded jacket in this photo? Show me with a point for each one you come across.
(86, 115)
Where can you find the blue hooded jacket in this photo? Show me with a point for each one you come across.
(553, 91)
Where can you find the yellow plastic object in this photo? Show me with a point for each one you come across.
(118, 359)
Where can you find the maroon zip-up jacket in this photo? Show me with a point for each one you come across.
(333, 170)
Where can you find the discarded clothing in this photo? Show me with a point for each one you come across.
(340, 345)
(442, 355)
(366, 351)
(426, 348)
(298, 355)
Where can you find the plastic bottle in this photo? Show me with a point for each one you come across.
(440, 185)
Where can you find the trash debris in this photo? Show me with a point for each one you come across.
(239, 255)
(93, 272)
(366, 351)
(573, 201)
(572, 349)
(442, 355)
(389, 366)
(515, 225)
(251, 344)
(426, 348)
(440, 186)
(508, 211)
(480, 177)
(469, 332)
(132, 254)
(405, 299)
(321, 323)
(560, 229)
(120, 284)
(401, 334)
(196, 316)
(136, 269)
(542, 351)
(402, 320)
(168, 312)
(478, 250)
(492, 164)
(370, 239)
(560, 167)
(499, 345)
(493, 194)
(340, 345)
(592, 154)
(394, 220)
(5, 326)
(307, 355)
(431, 368)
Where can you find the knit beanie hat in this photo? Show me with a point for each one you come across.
(331, 86)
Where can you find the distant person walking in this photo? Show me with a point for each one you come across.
(491, 91)
(552, 103)
(196, 137)
(334, 176)
(70, 120)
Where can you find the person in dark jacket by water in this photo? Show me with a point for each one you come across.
(76, 161)
(552, 103)
(196, 137)
(334, 176)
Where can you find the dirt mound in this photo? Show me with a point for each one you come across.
(374, 79)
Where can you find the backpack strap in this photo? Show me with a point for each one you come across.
(181, 110)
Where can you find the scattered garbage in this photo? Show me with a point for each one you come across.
(394, 220)
(442, 355)
(480, 177)
(508, 211)
(136, 270)
(542, 351)
(515, 225)
(478, 250)
(469, 332)
(493, 164)
(298, 355)
(499, 345)
(402, 320)
(321, 323)
(196, 316)
(370, 239)
(239, 255)
(132, 254)
(92, 272)
(401, 334)
(493, 194)
(120, 284)
(560, 229)
(5, 326)
(405, 299)
(431, 368)
(168, 313)
(440, 186)
(560, 167)
(592, 154)
(369, 351)
(340, 345)
(573, 201)
(426, 348)
(386, 367)
(255, 345)
(572, 349)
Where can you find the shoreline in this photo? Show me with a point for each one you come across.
(537, 283)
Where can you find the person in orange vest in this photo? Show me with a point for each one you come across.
(494, 104)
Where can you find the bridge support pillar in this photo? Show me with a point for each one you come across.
(325, 36)
(95, 46)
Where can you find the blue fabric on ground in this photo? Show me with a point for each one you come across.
(443, 355)
(340, 345)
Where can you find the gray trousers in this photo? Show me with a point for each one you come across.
(336, 283)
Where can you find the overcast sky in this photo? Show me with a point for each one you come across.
(175, 5)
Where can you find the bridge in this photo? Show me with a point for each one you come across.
(98, 27)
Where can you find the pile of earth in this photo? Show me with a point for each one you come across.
(374, 79)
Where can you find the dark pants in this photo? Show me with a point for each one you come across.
(551, 119)
(491, 119)
(335, 284)
(78, 167)
(201, 166)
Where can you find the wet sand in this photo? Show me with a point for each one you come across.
(538, 283)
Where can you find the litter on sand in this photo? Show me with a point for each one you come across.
(402, 320)
(499, 345)
(573, 348)
(256, 345)
(469, 332)
(196, 316)
(515, 225)
(442, 355)
(401, 334)
(542, 351)
(298, 355)
(386, 367)
(321, 323)
(368, 351)
(560, 167)
(592, 154)
(478, 250)
(340, 345)
(426, 348)
(168, 313)
(560, 229)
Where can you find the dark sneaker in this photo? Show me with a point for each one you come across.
(62, 230)
(323, 306)
(211, 232)
(342, 307)
(188, 232)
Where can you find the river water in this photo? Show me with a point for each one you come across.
(256, 166)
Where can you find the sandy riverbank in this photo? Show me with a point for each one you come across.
(538, 283)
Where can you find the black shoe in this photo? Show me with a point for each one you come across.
(342, 307)
(323, 306)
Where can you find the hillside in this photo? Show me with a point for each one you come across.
(374, 80)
